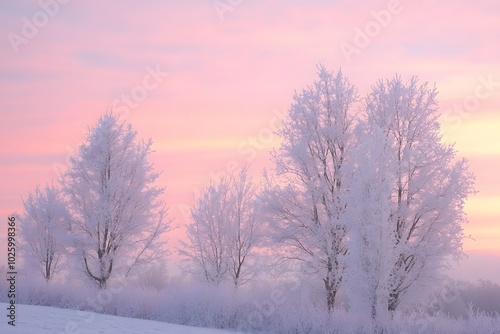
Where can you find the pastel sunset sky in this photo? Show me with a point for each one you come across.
(209, 80)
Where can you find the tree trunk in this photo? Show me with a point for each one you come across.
(393, 301)
(331, 292)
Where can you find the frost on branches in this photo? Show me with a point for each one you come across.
(118, 218)
(378, 209)
(42, 230)
(225, 232)
(371, 238)
(306, 202)
(429, 186)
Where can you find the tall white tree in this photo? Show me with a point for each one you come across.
(430, 186)
(224, 233)
(371, 237)
(206, 249)
(42, 230)
(118, 217)
(305, 202)
(244, 228)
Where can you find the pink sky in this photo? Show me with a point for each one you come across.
(232, 71)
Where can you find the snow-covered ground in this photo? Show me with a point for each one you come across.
(50, 320)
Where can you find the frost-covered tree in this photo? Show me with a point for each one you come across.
(371, 237)
(118, 217)
(244, 228)
(205, 249)
(305, 202)
(224, 232)
(42, 230)
(430, 186)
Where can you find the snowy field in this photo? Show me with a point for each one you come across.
(50, 320)
(286, 319)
